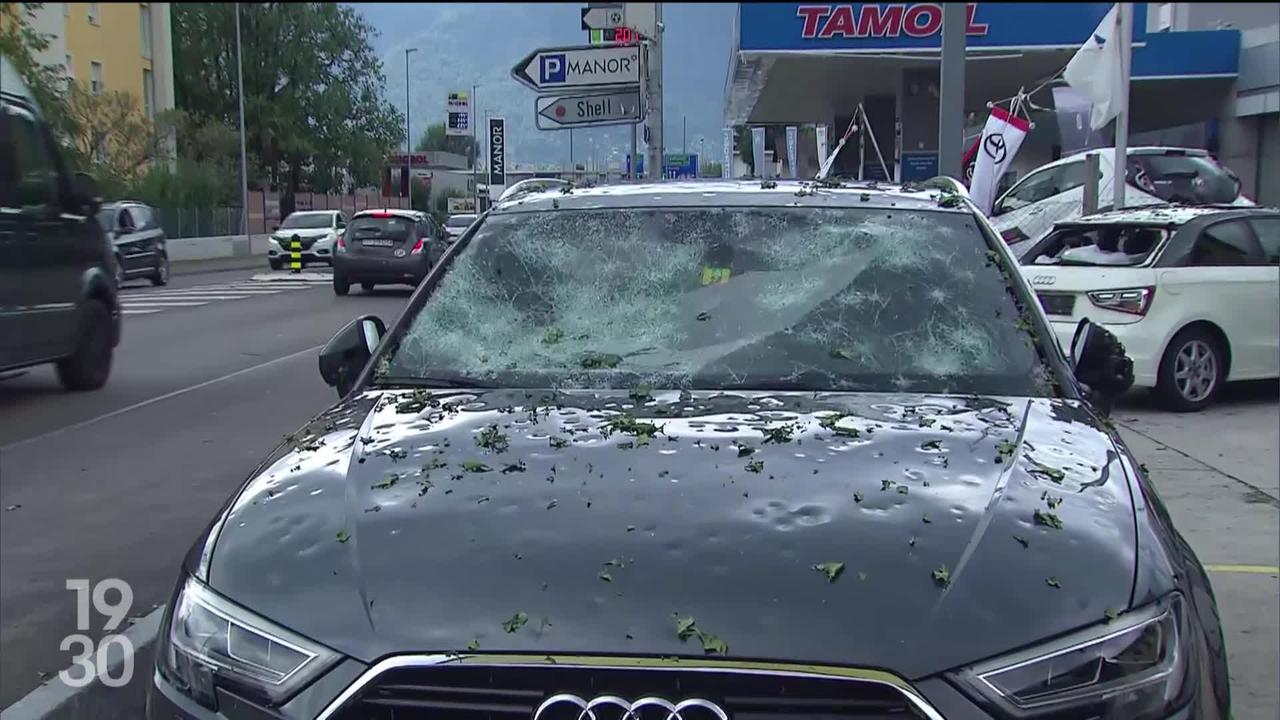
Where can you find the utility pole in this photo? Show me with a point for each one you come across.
(475, 152)
(244, 166)
(951, 102)
(408, 136)
(684, 134)
(572, 168)
(1121, 161)
(651, 30)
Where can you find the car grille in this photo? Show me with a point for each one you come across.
(496, 692)
(287, 240)
(1057, 303)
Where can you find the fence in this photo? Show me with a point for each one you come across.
(264, 213)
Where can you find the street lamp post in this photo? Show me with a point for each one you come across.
(244, 167)
(408, 136)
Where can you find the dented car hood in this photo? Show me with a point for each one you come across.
(907, 532)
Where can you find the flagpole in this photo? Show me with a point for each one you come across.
(1124, 29)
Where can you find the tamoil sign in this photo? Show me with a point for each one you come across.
(873, 27)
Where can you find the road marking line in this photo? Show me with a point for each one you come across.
(48, 698)
(1251, 569)
(159, 398)
(160, 303)
(127, 311)
(177, 298)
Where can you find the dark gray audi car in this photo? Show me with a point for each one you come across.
(704, 451)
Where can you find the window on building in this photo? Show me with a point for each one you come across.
(95, 78)
(148, 93)
(95, 13)
(144, 19)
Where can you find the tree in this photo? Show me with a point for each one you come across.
(434, 138)
(312, 96)
(115, 141)
(19, 45)
(712, 169)
(742, 136)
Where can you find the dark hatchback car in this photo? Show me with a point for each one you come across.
(704, 451)
(137, 241)
(386, 247)
(57, 292)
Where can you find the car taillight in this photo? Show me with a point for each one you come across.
(417, 247)
(1135, 301)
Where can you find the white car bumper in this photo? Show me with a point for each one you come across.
(1143, 343)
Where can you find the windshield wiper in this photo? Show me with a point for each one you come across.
(459, 383)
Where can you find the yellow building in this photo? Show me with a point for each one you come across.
(126, 47)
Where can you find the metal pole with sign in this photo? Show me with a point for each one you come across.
(497, 157)
(726, 168)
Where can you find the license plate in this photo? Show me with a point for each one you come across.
(1057, 303)
(377, 243)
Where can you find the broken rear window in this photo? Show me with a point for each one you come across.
(1120, 245)
(724, 298)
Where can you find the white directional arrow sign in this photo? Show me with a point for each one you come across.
(602, 18)
(557, 112)
(579, 67)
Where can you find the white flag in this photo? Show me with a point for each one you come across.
(1095, 70)
(1000, 140)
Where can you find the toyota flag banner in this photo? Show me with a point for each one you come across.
(1001, 138)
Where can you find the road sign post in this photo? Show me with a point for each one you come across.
(497, 156)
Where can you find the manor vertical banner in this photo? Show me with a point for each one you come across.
(497, 155)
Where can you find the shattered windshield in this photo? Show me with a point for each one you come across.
(1121, 245)
(723, 298)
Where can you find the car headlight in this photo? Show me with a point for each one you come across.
(274, 240)
(1131, 667)
(212, 642)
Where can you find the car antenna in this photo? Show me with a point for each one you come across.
(863, 129)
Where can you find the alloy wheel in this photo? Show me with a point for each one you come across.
(1195, 371)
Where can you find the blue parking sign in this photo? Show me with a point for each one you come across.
(551, 68)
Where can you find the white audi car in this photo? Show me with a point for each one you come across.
(1192, 292)
(1054, 192)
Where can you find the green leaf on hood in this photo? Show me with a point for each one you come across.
(426, 485)
(1047, 519)
(828, 422)
(552, 336)
(516, 622)
(712, 645)
(857, 497)
(491, 438)
(474, 645)
(1052, 474)
(385, 482)
(552, 504)
(755, 466)
(862, 575)
(903, 489)
(1004, 449)
(1110, 615)
(831, 569)
(595, 361)
(605, 576)
(1022, 541)
(343, 536)
(475, 467)
(433, 464)
(557, 443)
(483, 499)
(517, 466)
(686, 627)
(631, 528)
(886, 485)
(744, 450)
(843, 354)
(640, 394)
(931, 445)
(925, 422)
(926, 519)
(1052, 582)
(942, 576)
(780, 434)
(629, 425)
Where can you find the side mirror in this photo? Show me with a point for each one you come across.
(85, 193)
(1099, 362)
(345, 356)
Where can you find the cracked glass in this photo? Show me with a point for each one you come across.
(770, 298)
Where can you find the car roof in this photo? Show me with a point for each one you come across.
(398, 212)
(313, 212)
(1165, 215)
(1110, 152)
(710, 193)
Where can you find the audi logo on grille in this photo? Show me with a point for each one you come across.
(1043, 280)
(611, 707)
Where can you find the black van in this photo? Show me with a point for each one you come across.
(57, 273)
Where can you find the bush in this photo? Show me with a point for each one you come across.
(189, 185)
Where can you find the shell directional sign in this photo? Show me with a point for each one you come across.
(556, 112)
(579, 68)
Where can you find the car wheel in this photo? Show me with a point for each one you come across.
(341, 284)
(1192, 371)
(366, 286)
(88, 367)
(161, 275)
(275, 263)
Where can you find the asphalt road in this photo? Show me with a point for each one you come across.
(207, 379)
(117, 483)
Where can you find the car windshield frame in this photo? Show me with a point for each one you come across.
(311, 218)
(1057, 381)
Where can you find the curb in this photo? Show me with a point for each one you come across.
(55, 700)
(198, 267)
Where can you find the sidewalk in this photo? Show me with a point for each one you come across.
(195, 267)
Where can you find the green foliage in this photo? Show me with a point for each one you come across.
(441, 205)
(742, 134)
(19, 44)
(434, 138)
(312, 100)
(712, 169)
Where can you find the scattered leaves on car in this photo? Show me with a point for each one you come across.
(755, 466)
(780, 434)
(343, 536)
(1052, 582)
(942, 576)
(385, 483)
(517, 466)
(745, 450)
(516, 622)
(491, 438)
(1047, 519)
(831, 569)
(475, 467)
